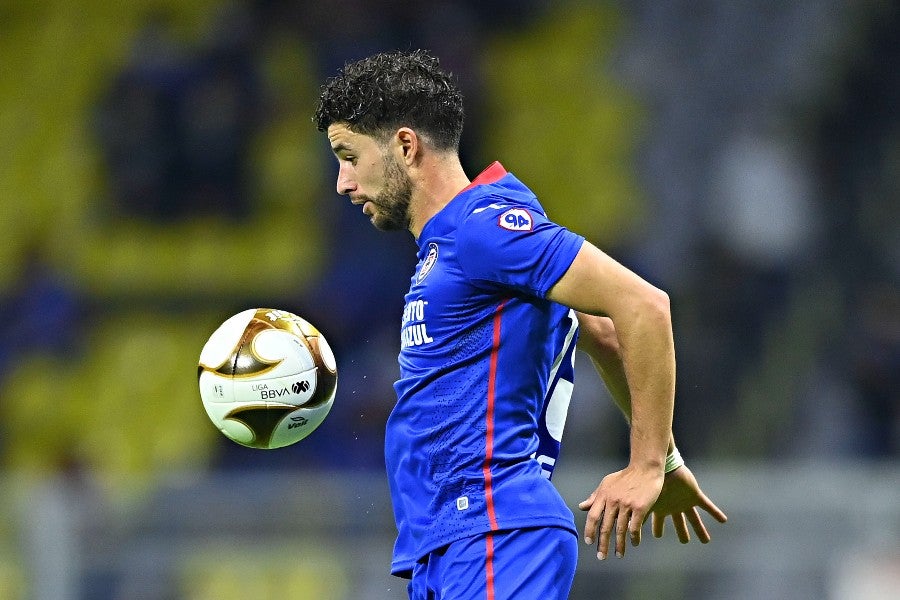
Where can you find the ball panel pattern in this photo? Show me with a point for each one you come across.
(267, 378)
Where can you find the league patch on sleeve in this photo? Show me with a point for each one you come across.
(516, 219)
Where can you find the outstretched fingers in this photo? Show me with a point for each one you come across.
(611, 516)
(697, 523)
(611, 524)
(681, 528)
(699, 528)
(690, 517)
(592, 518)
(601, 518)
(659, 525)
(618, 508)
(710, 507)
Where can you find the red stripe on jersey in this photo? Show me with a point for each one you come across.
(492, 174)
(489, 420)
(489, 565)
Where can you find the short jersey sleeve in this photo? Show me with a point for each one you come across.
(515, 246)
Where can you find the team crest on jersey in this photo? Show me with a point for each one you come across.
(428, 264)
(516, 219)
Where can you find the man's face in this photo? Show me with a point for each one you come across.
(370, 175)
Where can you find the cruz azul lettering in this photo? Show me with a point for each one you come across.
(415, 331)
(414, 335)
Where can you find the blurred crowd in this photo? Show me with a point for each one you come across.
(743, 159)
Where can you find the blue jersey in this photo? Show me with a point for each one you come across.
(485, 372)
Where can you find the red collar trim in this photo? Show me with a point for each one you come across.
(492, 174)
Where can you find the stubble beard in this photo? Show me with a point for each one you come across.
(392, 204)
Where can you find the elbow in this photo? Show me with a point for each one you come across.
(598, 336)
(661, 302)
(657, 305)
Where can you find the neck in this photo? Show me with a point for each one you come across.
(435, 183)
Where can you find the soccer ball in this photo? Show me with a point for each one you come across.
(267, 378)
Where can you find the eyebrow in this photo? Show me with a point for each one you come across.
(338, 148)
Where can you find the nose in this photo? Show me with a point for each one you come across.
(345, 183)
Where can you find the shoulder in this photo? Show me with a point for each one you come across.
(502, 233)
(498, 213)
(491, 221)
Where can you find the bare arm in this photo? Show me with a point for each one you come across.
(598, 285)
(599, 340)
(681, 495)
(644, 378)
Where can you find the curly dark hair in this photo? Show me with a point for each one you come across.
(376, 95)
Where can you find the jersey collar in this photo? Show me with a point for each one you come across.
(492, 174)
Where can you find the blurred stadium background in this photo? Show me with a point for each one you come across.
(159, 172)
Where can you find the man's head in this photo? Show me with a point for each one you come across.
(383, 115)
(377, 95)
(372, 177)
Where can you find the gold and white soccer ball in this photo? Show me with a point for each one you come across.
(267, 378)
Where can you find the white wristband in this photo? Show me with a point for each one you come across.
(673, 460)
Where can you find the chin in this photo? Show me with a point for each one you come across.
(387, 224)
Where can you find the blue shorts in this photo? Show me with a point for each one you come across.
(519, 564)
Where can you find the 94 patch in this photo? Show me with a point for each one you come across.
(516, 219)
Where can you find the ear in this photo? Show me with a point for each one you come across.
(408, 145)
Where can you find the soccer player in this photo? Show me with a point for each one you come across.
(488, 332)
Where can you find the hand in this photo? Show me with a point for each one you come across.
(622, 500)
(679, 499)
